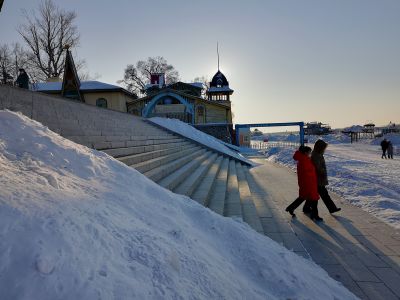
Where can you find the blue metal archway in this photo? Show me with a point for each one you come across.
(150, 106)
(300, 124)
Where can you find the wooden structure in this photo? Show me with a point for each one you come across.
(209, 110)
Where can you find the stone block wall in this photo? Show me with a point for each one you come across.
(85, 124)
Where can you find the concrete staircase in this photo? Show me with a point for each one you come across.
(184, 167)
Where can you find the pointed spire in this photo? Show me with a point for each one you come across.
(218, 55)
(71, 83)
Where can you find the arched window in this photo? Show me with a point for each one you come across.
(101, 102)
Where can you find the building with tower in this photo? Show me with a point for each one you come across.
(206, 108)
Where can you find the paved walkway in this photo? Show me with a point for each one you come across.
(353, 246)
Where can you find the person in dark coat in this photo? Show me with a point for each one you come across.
(390, 150)
(22, 79)
(384, 146)
(317, 157)
(307, 180)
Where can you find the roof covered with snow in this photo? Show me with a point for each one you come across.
(197, 84)
(85, 86)
(354, 128)
(220, 89)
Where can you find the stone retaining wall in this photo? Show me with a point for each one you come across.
(85, 124)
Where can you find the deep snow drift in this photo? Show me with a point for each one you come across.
(77, 224)
(357, 173)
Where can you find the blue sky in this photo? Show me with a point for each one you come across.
(294, 60)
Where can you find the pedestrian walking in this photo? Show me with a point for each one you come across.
(307, 180)
(22, 80)
(317, 157)
(384, 146)
(390, 150)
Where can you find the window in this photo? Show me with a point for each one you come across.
(101, 102)
(200, 114)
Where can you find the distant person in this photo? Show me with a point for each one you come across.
(307, 180)
(384, 146)
(22, 80)
(317, 157)
(390, 150)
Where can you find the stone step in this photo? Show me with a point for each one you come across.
(174, 179)
(233, 207)
(202, 193)
(188, 186)
(249, 211)
(102, 143)
(127, 151)
(216, 201)
(148, 165)
(156, 174)
(146, 156)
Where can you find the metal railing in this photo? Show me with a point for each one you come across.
(259, 145)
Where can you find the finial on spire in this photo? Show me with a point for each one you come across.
(218, 55)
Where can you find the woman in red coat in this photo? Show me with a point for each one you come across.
(308, 184)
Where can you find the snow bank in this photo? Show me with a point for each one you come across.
(192, 133)
(393, 137)
(357, 173)
(77, 224)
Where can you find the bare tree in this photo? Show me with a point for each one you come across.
(12, 58)
(137, 76)
(5, 64)
(206, 84)
(46, 32)
(203, 79)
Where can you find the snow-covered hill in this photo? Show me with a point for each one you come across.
(77, 224)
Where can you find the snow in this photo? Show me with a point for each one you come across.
(199, 85)
(393, 137)
(85, 85)
(219, 89)
(357, 173)
(77, 224)
(192, 133)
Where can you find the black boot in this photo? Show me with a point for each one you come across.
(335, 210)
(290, 211)
(307, 207)
(316, 218)
(314, 211)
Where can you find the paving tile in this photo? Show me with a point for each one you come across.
(366, 256)
(277, 237)
(283, 227)
(338, 273)
(392, 261)
(354, 266)
(292, 242)
(303, 254)
(396, 249)
(319, 253)
(376, 291)
(389, 277)
(375, 246)
(269, 225)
